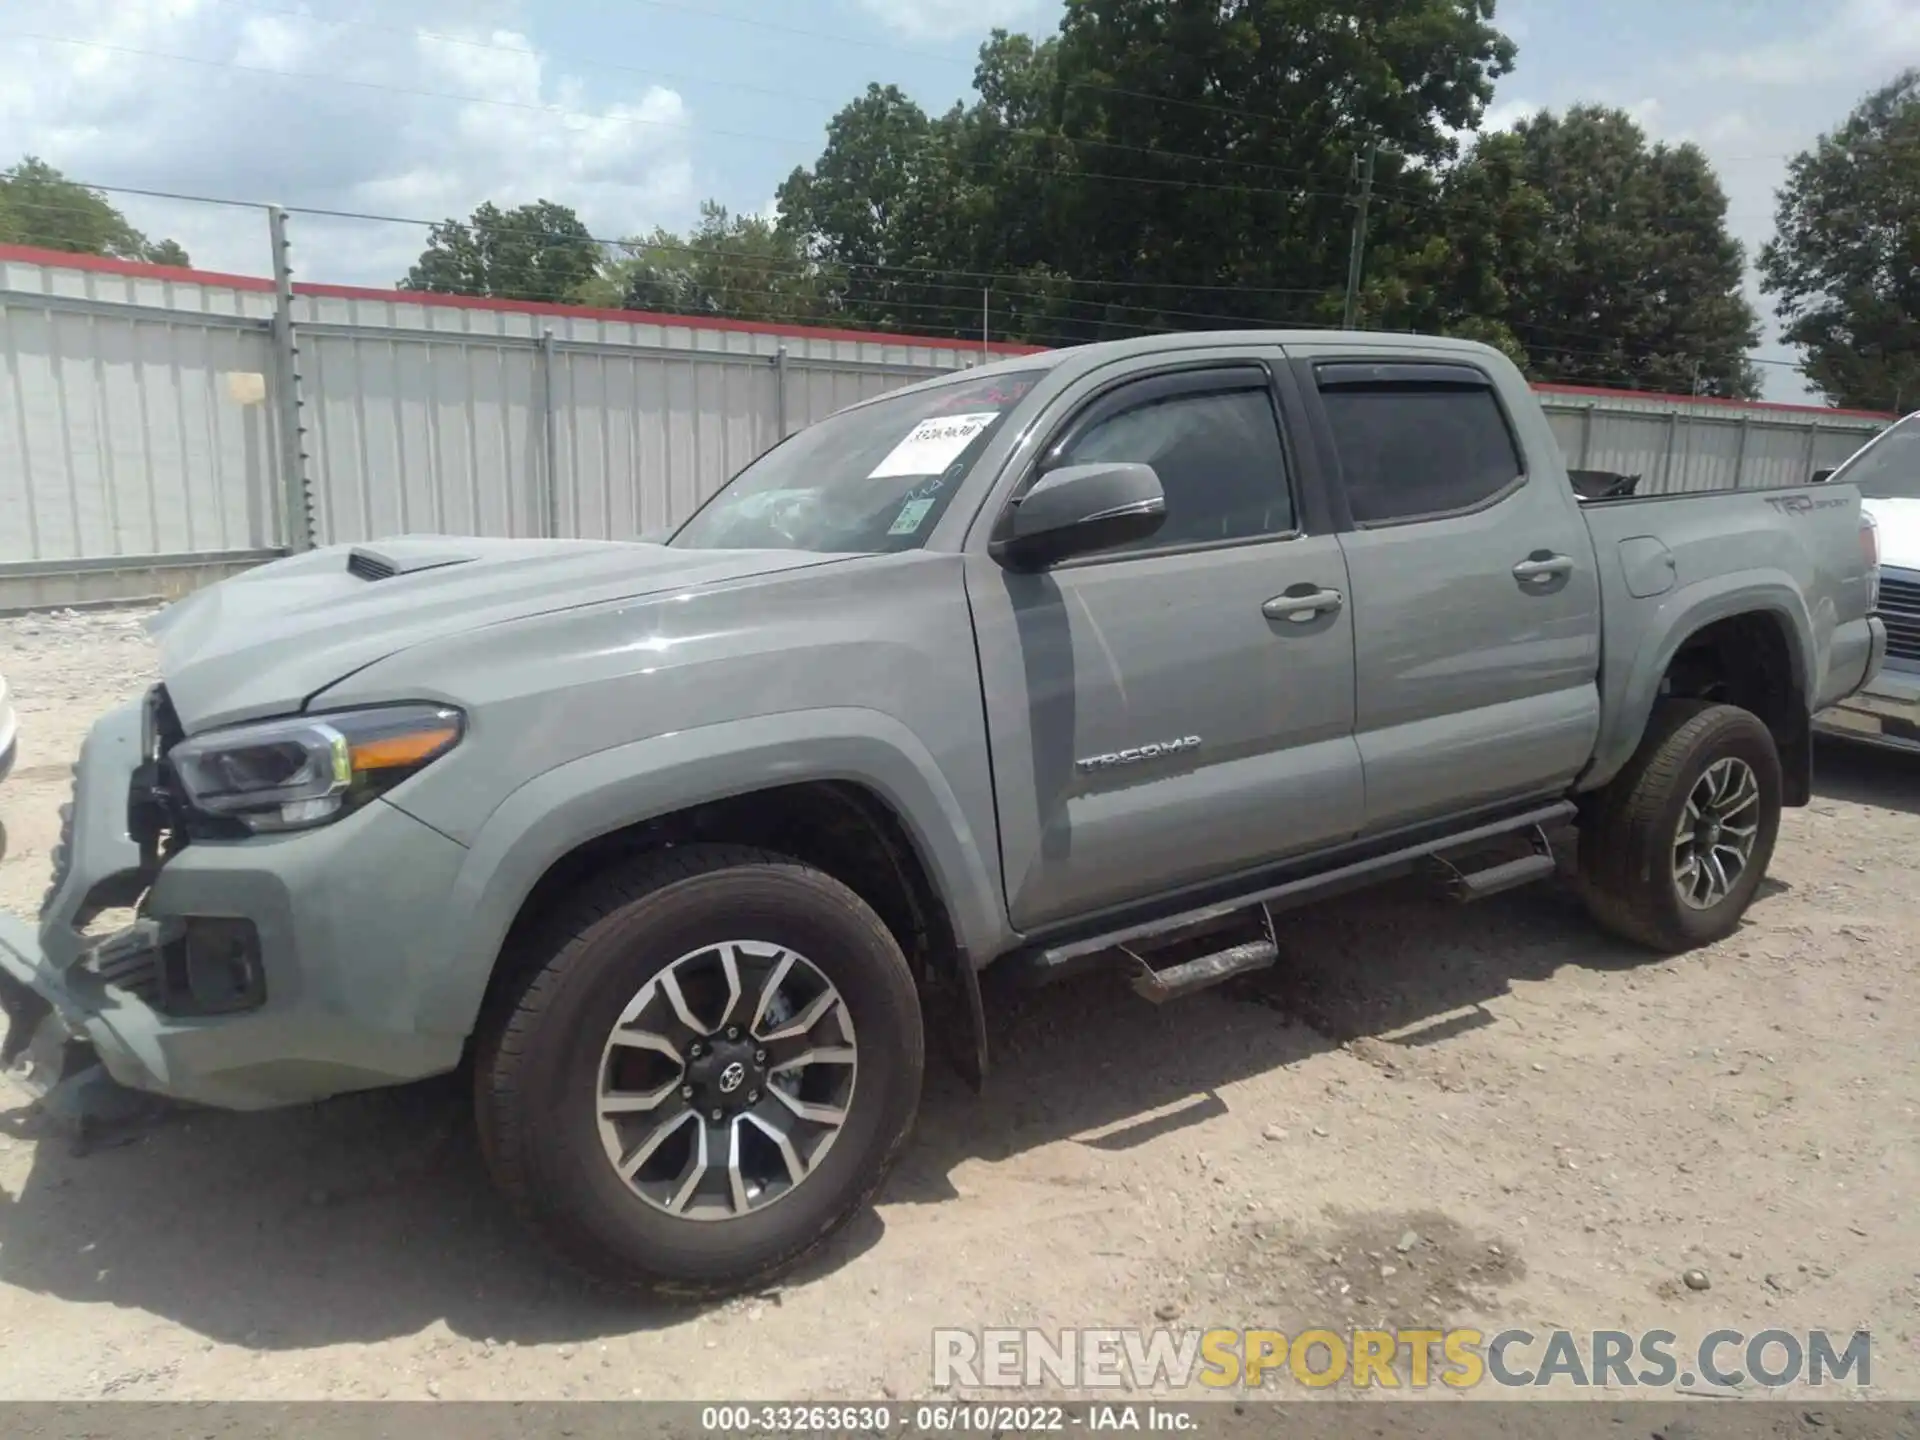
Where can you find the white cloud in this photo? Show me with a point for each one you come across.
(954, 19)
(366, 116)
(1846, 42)
(1505, 114)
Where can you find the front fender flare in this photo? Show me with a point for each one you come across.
(564, 808)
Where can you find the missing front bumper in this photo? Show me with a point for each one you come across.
(49, 1051)
(54, 1028)
(246, 982)
(55, 1063)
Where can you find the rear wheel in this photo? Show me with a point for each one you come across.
(1674, 848)
(713, 1070)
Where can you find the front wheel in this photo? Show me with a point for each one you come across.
(1674, 848)
(713, 1070)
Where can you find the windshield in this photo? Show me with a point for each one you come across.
(874, 478)
(1889, 467)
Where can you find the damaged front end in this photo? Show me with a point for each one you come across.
(78, 997)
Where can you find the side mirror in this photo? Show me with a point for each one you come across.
(1820, 477)
(1078, 509)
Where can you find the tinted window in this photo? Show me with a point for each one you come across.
(872, 478)
(1408, 451)
(1218, 457)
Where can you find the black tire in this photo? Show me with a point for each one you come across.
(1627, 833)
(538, 1065)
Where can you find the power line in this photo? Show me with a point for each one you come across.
(562, 113)
(1108, 86)
(135, 190)
(756, 23)
(559, 111)
(801, 267)
(572, 61)
(909, 279)
(584, 62)
(1044, 287)
(1028, 286)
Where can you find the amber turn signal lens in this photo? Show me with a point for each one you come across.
(391, 751)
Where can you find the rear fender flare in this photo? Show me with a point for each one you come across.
(1665, 630)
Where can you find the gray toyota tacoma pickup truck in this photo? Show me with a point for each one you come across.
(1104, 656)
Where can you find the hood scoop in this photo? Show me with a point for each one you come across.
(370, 562)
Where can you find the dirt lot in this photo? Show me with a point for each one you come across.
(1563, 1125)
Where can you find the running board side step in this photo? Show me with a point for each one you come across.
(1478, 884)
(1465, 886)
(1160, 986)
(1042, 966)
(1198, 972)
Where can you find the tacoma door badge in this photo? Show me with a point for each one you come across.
(1160, 750)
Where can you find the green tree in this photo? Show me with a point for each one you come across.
(531, 252)
(1844, 265)
(1461, 251)
(1608, 258)
(1156, 164)
(40, 206)
(862, 210)
(739, 266)
(1214, 146)
(1181, 164)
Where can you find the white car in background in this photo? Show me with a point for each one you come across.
(1887, 471)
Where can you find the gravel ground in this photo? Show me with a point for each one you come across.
(1564, 1127)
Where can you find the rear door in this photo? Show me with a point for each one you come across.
(1476, 602)
(1182, 708)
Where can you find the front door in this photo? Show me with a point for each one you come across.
(1171, 711)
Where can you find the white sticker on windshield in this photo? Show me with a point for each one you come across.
(933, 444)
(910, 516)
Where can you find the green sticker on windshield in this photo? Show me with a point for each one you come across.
(910, 516)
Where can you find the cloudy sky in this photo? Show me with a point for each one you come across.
(632, 111)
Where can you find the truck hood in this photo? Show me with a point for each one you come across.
(1899, 522)
(262, 642)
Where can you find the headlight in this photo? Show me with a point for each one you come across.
(309, 769)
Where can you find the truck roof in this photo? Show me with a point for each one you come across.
(1087, 357)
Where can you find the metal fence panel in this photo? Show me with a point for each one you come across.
(642, 439)
(139, 423)
(647, 418)
(817, 390)
(134, 433)
(421, 435)
(1676, 445)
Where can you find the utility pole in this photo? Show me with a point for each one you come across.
(1357, 252)
(985, 355)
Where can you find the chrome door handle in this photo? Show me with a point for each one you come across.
(1538, 572)
(1303, 607)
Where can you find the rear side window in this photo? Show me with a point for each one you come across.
(1413, 450)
